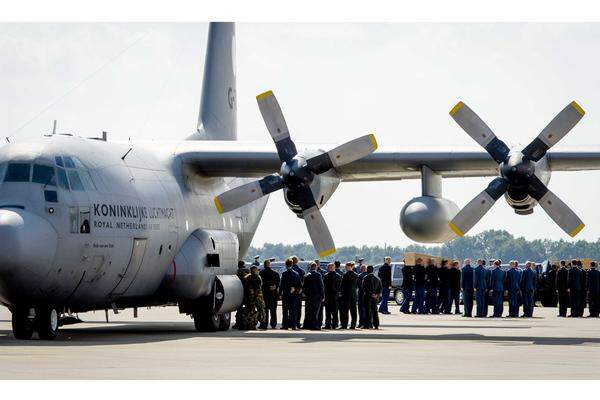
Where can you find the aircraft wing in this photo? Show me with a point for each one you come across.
(236, 159)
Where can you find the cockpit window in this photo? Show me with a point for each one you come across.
(2, 170)
(63, 182)
(44, 174)
(76, 183)
(69, 162)
(17, 172)
(59, 161)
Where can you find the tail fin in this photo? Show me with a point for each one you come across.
(218, 110)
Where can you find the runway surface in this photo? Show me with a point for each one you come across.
(162, 344)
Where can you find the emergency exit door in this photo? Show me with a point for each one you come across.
(135, 263)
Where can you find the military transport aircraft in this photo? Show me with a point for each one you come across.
(91, 224)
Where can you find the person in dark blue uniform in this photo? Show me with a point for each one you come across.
(361, 304)
(431, 283)
(385, 275)
(480, 286)
(333, 284)
(497, 287)
(468, 287)
(528, 287)
(348, 300)
(289, 289)
(270, 289)
(407, 288)
(454, 273)
(488, 282)
(593, 290)
(583, 299)
(562, 288)
(513, 282)
(444, 288)
(419, 274)
(372, 289)
(575, 284)
(314, 293)
(301, 274)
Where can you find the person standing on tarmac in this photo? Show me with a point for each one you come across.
(432, 283)
(419, 274)
(241, 273)
(270, 289)
(372, 289)
(444, 290)
(528, 286)
(513, 281)
(583, 300)
(338, 269)
(314, 293)
(254, 304)
(454, 273)
(300, 273)
(385, 274)
(480, 286)
(574, 289)
(562, 288)
(497, 287)
(361, 305)
(348, 300)
(468, 287)
(333, 284)
(289, 290)
(407, 288)
(593, 290)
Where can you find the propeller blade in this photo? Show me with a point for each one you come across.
(479, 131)
(343, 154)
(554, 132)
(242, 195)
(556, 209)
(273, 117)
(478, 207)
(319, 232)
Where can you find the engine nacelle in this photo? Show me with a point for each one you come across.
(204, 255)
(425, 219)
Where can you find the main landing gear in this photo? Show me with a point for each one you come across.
(207, 321)
(43, 320)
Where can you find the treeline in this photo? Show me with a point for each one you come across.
(488, 244)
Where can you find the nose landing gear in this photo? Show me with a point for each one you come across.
(44, 320)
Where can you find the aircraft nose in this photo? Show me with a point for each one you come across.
(27, 244)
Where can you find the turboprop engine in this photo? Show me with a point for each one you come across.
(425, 219)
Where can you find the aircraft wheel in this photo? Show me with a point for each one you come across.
(47, 322)
(398, 296)
(224, 321)
(22, 326)
(206, 321)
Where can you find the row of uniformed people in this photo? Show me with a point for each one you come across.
(436, 288)
(337, 294)
(575, 287)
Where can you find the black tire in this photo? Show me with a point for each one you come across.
(22, 326)
(224, 321)
(398, 296)
(206, 321)
(47, 319)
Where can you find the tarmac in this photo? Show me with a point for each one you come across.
(162, 344)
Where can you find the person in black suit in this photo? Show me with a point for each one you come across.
(444, 292)
(562, 288)
(575, 282)
(301, 274)
(418, 305)
(385, 274)
(349, 295)
(333, 286)
(314, 293)
(467, 283)
(290, 291)
(270, 290)
(593, 290)
(454, 278)
(408, 285)
(361, 306)
(372, 289)
(432, 284)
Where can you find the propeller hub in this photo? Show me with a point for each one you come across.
(295, 173)
(517, 169)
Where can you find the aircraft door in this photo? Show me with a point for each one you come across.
(135, 263)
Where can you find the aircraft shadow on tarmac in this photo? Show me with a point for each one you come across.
(135, 332)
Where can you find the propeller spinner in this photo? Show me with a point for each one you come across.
(517, 169)
(296, 174)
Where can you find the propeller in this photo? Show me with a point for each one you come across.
(296, 174)
(517, 169)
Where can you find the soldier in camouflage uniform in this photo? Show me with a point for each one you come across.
(254, 304)
(241, 274)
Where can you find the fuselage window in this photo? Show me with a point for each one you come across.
(75, 180)
(68, 162)
(84, 220)
(44, 174)
(18, 172)
(63, 182)
(2, 171)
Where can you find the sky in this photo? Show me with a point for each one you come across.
(334, 82)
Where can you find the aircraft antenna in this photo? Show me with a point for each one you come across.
(54, 128)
